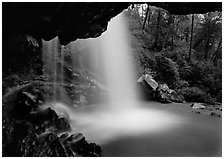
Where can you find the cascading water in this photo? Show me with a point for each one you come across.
(123, 125)
(109, 57)
(119, 69)
(53, 63)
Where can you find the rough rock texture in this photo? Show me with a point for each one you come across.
(29, 129)
(70, 21)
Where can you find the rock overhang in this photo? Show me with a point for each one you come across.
(78, 20)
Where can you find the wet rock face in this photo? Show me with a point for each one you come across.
(30, 130)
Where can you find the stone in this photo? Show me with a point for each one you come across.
(42, 137)
(219, 109)
(63, 136)
(176, 97)
(150, 82)
(197, 106)
(40, 116)
(32, 131)
(215, 114)
(62, 125)
(23, 104)
(79, 145)
(30, 96)
(75, 137)
(164, 87)
(197, 112)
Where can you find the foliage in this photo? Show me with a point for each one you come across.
(193, 94)
(166, 40)
(208, 32)
(167, 70)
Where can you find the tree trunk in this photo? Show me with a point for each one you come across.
(172, 47)
(157, 30)
(172, 25)
(142, 15)
(146, 15)
(210, 26)
(198, 42)
(206, 49)
(215, 55)
(177, 27)
(207, 44)
(149, 17)
(192, 29)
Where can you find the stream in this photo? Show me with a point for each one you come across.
(150, 129)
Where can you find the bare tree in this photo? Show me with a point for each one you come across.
(192, 30)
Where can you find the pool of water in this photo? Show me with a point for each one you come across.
(149, 129)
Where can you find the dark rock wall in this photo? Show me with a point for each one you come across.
(25, 24)
(68, 21)
(30, 129)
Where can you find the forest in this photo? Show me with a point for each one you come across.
(184, 51)
(118, 80)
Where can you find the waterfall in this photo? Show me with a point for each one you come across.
(118, 62)
(53, 63)
(108, 59)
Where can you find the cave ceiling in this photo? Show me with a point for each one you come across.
(73, 20)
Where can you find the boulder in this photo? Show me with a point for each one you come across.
(164, 87)
(150, 82)
(79, 145)
(42, 115)
(175, 97)
(30, 131)
(22, 105)
(62, 125)
(151, 90)
(197, 106)
(147, 86)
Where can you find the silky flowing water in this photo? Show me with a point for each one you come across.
(124, 125)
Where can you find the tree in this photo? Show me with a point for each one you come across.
(208, 32)
(217, 53)
(192, 29)
(146, 15)
(157, 29)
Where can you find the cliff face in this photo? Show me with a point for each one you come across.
(70, 21)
